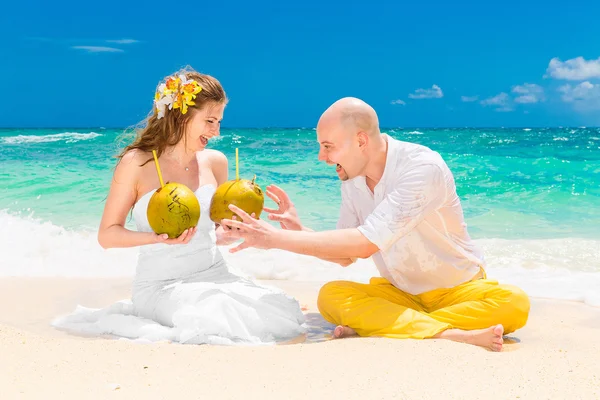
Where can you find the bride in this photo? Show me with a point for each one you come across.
(182, 290)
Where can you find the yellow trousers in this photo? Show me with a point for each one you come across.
(381, 309)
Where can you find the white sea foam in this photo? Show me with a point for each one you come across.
(567, 269)
(68, 137)
(34, 248)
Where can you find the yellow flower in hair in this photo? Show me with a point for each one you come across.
(177, 102)
(172, 85)
(176, 92)
(189, 90)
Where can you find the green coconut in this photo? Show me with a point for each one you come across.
(172, 209)
(242, 193)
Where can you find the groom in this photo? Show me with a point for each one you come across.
(399, 206)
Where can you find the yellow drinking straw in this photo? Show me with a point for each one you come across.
(237, 166)
(162, 184)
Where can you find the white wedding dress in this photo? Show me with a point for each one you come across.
(186, 293)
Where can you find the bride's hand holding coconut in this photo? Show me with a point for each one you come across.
(173, 211)
(184, 238)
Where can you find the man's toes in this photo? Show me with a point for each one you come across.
(498, 330)
(342, 331)
(338, 331)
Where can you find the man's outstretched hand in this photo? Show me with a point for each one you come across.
(256, 233)
(286, 213)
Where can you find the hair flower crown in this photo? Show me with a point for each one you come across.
(176, 92)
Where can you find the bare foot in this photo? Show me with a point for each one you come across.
(489, 338)
(341, 331)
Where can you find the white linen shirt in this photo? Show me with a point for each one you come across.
(415, 218)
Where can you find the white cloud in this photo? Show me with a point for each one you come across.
(583, 91)
(434, 93)
(98, 49)
(401, 102)
(584, 96)
(501, 101)
(527, 98)
(498, 100)
(529, 93)
(575, 69)
(468, 99)
(123, 41)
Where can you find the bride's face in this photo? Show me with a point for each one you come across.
(204, 125)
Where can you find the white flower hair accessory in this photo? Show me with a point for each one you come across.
(176, 92)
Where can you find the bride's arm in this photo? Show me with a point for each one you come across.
(120, 200)
(220, 169)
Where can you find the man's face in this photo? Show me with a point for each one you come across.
(340, 148)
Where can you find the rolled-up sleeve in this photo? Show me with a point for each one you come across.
(348, 218)
(416, 193)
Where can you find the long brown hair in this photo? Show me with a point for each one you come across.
(158, 134)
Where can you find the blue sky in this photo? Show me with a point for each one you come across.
(436, 63)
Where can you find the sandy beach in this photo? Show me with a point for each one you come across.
(556, 356)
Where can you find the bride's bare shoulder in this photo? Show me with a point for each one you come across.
(212, 156)
(217, 162)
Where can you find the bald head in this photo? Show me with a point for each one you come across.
(349, 137)
(354, 114)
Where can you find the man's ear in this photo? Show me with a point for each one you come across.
(363, 139)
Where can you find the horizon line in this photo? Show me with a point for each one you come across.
(382, 129)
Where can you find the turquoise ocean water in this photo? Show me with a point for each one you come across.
(531, 196)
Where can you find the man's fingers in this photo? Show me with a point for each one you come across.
(271, 211)
(239, 247)
(224, 226)
(279, 192)
(273, 197)
(277, 217)
(233, 234)
(235, 225)
(229, 235)
(241, 213)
